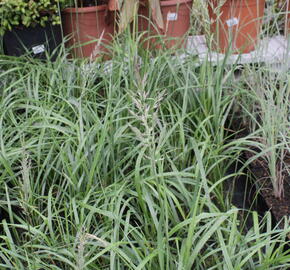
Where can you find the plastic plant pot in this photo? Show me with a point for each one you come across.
(236, 24)
(176, 17)
(88, 30)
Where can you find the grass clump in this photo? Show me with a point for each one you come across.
(267, 109)
(122, 168)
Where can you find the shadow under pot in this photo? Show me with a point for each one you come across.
(88, 30)
(236, 24)
(36, 42)
(176, 19)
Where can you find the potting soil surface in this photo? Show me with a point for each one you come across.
(280, 207)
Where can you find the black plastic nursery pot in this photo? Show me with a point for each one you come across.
(34, 41)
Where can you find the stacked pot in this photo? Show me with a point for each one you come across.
(90, 29)
(235, 24)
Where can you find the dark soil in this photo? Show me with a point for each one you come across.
(280, 207)
(243, 195)
(260, 187)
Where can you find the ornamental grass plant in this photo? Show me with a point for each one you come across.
(122, 164)
(267, 110)
(123, 169)
(25, 13)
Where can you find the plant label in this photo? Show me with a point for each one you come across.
(232, 22)
(172, 16)
(38, 49)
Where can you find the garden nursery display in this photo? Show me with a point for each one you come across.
(144, 135)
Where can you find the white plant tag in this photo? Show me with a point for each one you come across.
(232, 22)
(38, 49)
(172, 16)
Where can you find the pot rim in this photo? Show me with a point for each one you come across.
(85, 9)
(174, 2)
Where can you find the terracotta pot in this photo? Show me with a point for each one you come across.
(89, 29)
(236, 24)
(176, 17)
(288, 19)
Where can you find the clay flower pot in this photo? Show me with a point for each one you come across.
(176, 17)
(236, 24)
(89, 29)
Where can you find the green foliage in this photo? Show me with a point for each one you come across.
(25, 13)
(123, 169)
(266, 104)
